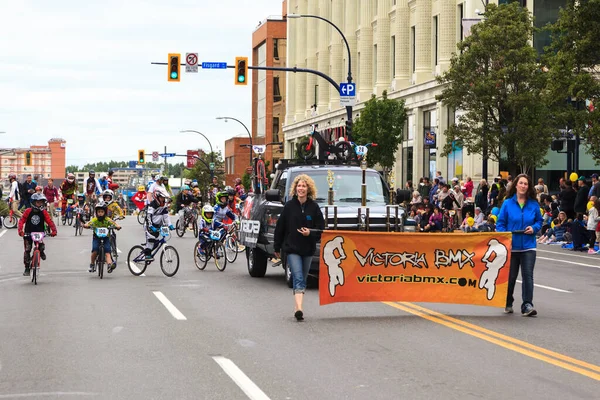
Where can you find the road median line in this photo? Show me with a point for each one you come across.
(241, 379)
(169, 306)
(556, 359)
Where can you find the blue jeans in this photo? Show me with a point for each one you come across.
(526, 261)
(299, 267)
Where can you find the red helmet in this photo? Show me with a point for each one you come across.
(12, 176)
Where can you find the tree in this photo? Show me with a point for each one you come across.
(573, 64)
(71, 169)
(202, 174)
(495, 83)
(382, 122)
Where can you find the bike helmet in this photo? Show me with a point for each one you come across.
(141, 188)
(80, 195)
(220, 195)
(208, 209)
(38, 188)
(163, 178)
(194, 184)
(161, 193)
(110, 172)
(107, 193)
(185, 187)
(238, 181)
(101, 206)
(70, 177)
(12, 176)
(37, 197)
(92, 173)
(230, 191)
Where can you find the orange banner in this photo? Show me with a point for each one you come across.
(469, 268)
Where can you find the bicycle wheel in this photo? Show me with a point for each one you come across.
(80, 229)
(303, 149)
(136, 260)
(35, 264)
(77, 226)
(344, 151)
(169, 261)
(113, 249)
(230, 249)
(220, 256)
(199, 259)
(100, 262)
(70, 219)
(195, 226)
(179, 229)
(141, 216)
(10, 222)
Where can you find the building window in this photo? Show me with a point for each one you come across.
(276, 49)
(429, 149)
(411, 127)
(413, 47)
(275, 129)
(545, 11)
(232, 165)
(393, 48)
(435, 40)
(276, 90)
(261, 110)
(461, 15)
(407, 165)
(374, 65)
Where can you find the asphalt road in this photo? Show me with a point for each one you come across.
(224, 335)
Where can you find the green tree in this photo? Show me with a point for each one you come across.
(573, 64)
(202, 174)
(382, 122)
(72, 169)
(495, 84)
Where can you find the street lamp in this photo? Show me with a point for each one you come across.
(349, 79)
(212, 153)
(247, 130)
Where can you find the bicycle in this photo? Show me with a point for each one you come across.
(11, 220)
(79, 212)
(190, 216)
(307, 150)
(354, 151)
(113, 243)
(214, 248)
(68, 216)
(136, 259)
(141, 217)
(37, 238)
(102, 234)
(232, 243)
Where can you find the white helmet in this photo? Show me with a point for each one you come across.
(110, 193)
(161, 192)
(103, 175)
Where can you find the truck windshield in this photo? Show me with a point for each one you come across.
(346, 186)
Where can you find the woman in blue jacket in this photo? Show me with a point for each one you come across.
(520, 214)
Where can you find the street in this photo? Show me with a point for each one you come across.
(224, 335)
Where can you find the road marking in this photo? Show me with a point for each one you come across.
(46, 394)
(237, 375)
(118, 251)
(3, 233)
(9, 279)
(569, 255)
(169, 306)
(499, 339)
(549, 287)
(569, 262)
(135, 269)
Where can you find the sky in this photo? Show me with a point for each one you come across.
(80, 70)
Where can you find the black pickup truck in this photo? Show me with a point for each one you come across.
(260, 212)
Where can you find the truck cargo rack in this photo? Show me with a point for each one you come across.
(287, 163)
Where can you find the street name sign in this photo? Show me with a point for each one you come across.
(214, 65)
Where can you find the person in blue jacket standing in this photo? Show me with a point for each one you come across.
(520, 214)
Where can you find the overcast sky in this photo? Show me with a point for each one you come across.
(80, 70)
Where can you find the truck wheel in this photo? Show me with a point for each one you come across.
(257, 263)
(288, 273)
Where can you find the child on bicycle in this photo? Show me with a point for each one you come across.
(156, 217)
(113, 208)
(81, 208)
(222, 211)
(205, 225)
(33, 220)
(101, 220)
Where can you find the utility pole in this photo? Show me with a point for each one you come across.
(165, 161)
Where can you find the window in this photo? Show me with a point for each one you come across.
(374, 65)
(276, 49)
(545, 11)
(393, 48)
(276, 90)
(413, 48)
(460, 24)
(435, 40)
(407, 163)
(275, 129)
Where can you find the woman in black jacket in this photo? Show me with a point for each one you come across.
(295, 236)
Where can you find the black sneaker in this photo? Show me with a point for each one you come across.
(42, 255)
(27, 272)
(508, 310)
(529, 311)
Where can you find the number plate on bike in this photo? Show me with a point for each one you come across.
(361, 150)
(215, 235)
(102, 232)
(37, 236)
(164, 230)
(70, 201)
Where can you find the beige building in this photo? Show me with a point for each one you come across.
(396, 45)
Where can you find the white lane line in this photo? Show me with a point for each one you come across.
(569, 255)
(135, 269)
(549, 288)
(3, 233)
(568, 262)
(118, 251)
(46, 394)
(9, 279)
(237, 375)
(169, 306)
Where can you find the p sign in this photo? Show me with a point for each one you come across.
(347, 94)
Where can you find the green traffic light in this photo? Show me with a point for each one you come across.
(241, 78)
(174, 75)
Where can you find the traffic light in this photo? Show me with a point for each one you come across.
(349, 130)
(241, 71)
(141, 157)
(174, 66)
(28, 158)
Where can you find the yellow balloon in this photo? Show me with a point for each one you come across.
(470, 221)
(573, 177)
(590, 204)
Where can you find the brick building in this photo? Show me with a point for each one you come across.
(237, 158)
(42, 162)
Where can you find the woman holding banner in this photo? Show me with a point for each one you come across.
(520, 214)
(298, 229)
